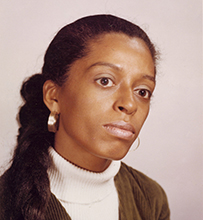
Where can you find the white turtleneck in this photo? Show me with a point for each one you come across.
(84, 194)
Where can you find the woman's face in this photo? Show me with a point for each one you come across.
(105, 101)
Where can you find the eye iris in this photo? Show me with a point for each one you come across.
(143, 92)
(104, 81)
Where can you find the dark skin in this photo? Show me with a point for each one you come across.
(104, 102)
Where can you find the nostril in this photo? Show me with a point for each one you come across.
(120, 108)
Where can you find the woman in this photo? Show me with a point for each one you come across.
(94, 94)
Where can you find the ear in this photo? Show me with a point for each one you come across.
(50, 96)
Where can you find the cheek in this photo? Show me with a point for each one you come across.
(81, 107)
(92, 103)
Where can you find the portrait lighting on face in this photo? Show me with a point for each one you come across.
(105, 99)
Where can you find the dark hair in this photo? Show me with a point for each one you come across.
(25, 187)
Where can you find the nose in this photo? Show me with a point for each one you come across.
(126, 102)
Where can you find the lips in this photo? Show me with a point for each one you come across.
(120, 129)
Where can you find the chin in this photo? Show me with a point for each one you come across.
(117, 151)
(119, 155)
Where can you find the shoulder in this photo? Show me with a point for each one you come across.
(142, 190)
(137, 178)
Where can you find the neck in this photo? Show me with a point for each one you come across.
(83, 160)
(97, 167)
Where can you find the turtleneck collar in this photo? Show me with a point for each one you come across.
(75, 185)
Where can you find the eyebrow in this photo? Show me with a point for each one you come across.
(113, 66)
(149, 78)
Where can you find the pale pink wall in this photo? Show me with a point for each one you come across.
(171, 141)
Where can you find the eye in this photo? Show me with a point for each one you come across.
(144, 93)
(105, 82)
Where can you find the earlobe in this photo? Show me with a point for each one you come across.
(50, 96)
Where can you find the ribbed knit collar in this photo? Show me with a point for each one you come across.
(72, 184)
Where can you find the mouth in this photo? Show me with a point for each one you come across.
(120, 129)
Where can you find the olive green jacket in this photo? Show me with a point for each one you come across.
(140, 198)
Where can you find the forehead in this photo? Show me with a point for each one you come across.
(119, 49)
(112, 40)
(126, 55)
(111, 44)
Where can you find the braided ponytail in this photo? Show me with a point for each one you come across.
(26, 188)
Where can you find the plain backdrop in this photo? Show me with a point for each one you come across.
(171, 149)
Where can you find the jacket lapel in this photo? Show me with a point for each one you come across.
(128, 209)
